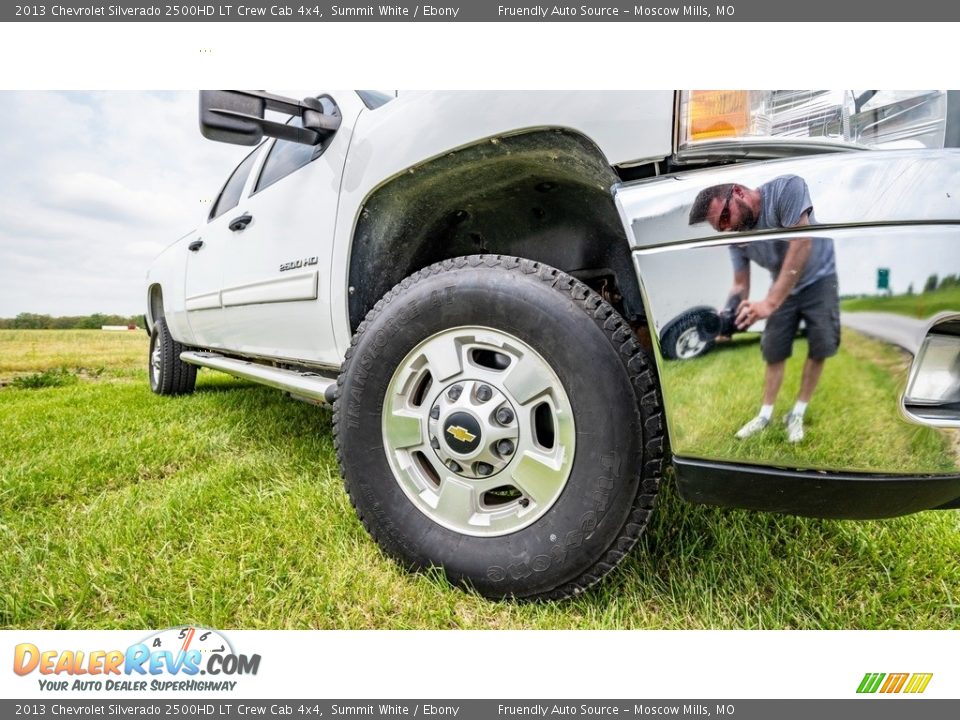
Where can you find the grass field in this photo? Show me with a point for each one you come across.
(90, 351)
(119, 509)
(921, 306)
(851, 423)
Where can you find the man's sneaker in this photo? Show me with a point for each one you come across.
(794, 425)
(753, 427)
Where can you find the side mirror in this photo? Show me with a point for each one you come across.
(238, 117)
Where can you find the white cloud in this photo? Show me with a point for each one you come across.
(92, 187)
(105, 198)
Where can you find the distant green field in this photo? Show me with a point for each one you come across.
(918, 306)
(120, 509)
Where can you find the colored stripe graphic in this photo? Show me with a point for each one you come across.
(870, 682)
(894, 683)
(918, 682)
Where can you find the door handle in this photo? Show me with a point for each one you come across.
(195, 245)
(239, 223)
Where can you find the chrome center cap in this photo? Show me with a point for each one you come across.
(473, 429)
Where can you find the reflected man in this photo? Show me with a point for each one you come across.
(804, 284)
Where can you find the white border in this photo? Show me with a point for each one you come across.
(477, 55)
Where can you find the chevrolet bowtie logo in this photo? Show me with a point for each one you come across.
(461, 434)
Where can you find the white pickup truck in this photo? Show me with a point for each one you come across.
(481, 285)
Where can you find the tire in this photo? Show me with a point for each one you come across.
(691, 334)
(559, 507)
(169, 375)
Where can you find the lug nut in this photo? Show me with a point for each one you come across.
(504, 416)
(454, 466)
(524, 502)
(484, 393)
(454, 393)
(484, 469)
(505, 447)
(434, 443)
(434, 412)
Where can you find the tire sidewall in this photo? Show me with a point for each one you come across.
(692, 319)
(591, 510)
(156, 340)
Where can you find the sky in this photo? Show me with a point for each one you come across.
(93, 185)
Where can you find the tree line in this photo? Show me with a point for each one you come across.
(934, 282)
(34, 321)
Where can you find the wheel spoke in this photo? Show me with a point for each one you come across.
(538, 475)
(504, 481)
(403, 429)
(498, 432)
(456, 501)
(527, 380)
(444, 358)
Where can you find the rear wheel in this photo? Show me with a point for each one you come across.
(496, 418)
(169, 375)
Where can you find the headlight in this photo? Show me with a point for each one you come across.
(743, 122)
(933, 391)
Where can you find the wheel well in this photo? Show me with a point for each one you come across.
(543, 195)
(154, 305)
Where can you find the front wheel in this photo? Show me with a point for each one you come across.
(691, 334)
(496, 418)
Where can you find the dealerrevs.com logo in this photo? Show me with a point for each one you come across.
(887, 683)
(168, 660)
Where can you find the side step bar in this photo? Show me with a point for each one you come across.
(305, 385)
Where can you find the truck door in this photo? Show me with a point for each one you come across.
(206, 252)
(276, 271)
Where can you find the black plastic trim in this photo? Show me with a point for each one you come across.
(812, 493)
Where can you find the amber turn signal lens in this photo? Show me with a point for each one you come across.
(714, 114)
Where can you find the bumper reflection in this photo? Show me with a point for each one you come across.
(858, 419)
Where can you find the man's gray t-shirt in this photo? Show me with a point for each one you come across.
(783, 201)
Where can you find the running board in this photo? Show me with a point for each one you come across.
(305, 385)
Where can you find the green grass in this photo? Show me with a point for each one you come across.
(850, 424)
(57, 377)
(921, 306)
(120, 509)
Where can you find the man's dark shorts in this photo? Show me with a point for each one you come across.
(818, 305)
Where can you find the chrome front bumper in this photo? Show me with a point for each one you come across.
(871, 450)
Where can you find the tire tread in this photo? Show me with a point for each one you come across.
(176, 376)
(634, 360)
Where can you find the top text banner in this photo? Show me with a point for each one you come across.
(485, 11)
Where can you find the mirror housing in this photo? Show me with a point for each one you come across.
(239, 117)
